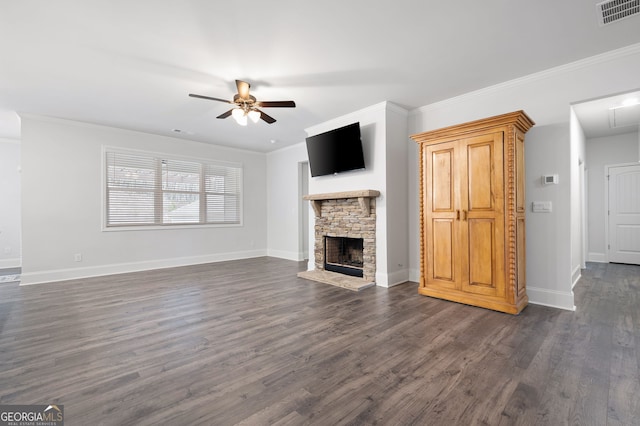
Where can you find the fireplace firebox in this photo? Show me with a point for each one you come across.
(344, 255)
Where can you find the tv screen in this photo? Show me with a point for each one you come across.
(335, 151)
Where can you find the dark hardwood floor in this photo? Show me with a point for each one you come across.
(247, 342)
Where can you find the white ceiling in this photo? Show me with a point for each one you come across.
(609, 116)
(131, 64)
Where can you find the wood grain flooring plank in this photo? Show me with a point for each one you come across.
(247, 342)
(624, 403)
(548, 386)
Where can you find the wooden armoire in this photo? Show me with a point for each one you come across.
(472, 212)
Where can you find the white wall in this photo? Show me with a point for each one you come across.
(10, 244)
(577, 158)
(62, 206)
(383, 130)
(304, 175)
(385, 142)
(546, 97)
(549, 235)
(283, 207)
(373, 132)
(601, 152)
(397, 192)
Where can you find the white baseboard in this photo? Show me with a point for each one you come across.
(122, 268)
(289, 255)
(575, 276)
(398, 277)
(394, 278)
(551, 298)
(597, 257)
(10, 263)
(414, 275)
(382, 280)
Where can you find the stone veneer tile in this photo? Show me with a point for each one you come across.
(344, 218)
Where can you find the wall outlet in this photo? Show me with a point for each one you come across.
(77, 257)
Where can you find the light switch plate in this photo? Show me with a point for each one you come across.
(541, 207)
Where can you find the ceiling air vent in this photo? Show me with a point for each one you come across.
(624, 117)
(615, 10)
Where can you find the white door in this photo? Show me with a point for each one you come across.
(624, 214)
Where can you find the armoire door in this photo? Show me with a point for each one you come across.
(441, 216)
(483, 216)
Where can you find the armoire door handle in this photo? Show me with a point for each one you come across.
(457, 214)
(464, 215)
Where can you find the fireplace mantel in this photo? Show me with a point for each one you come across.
(364, 196)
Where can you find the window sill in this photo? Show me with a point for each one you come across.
(169, 227)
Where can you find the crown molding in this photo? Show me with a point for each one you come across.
(295, 146)
(88, 125)
(395, 108)
(356, 116)
(623, 52)
(346, 118)
(519, 119)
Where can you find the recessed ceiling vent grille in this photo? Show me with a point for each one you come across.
(615, 10)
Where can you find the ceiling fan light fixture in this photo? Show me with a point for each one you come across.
(240, 116)
(254, 115)
(237, 113)
(242, 120)
(246, 105)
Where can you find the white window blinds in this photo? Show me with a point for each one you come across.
(148, 189)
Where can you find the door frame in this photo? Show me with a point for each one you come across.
(304, 252)
(584, 214)
(606, 203)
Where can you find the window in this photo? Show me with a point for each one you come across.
(144, 189)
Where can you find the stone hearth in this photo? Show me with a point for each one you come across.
(338, 280)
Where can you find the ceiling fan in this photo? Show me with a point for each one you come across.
(246, 105)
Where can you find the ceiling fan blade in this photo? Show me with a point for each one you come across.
(266, 117)
(277, 104)
(209, 98)
(243, 89)
(225, 114)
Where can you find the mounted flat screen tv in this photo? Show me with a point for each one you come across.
(335, 151)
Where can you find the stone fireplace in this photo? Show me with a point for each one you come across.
(345, 235)
(344, 255)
